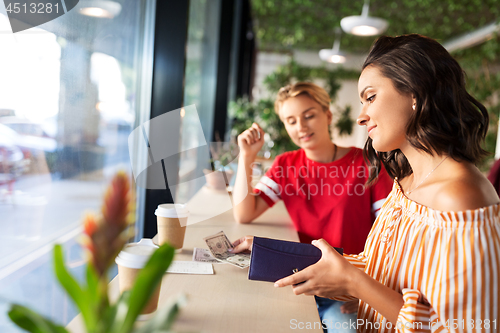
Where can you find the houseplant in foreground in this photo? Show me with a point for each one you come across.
(104, 237)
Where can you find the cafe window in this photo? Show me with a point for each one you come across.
(199, 95)
(71, 92)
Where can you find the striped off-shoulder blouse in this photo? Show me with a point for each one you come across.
(445, 264)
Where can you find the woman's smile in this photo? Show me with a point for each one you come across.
(370, 130)
(306, 137)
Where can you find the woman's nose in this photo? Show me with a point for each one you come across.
(362, 118)
(302, 124)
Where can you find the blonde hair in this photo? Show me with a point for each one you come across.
(315, 92)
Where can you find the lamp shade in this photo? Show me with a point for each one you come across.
(100, 8)
(363, 25)
(333, 56)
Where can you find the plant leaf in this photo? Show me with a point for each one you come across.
(146, 282)
(164, 317)
(32, 321)
(117, 312)
(92, 285)
(73, 289)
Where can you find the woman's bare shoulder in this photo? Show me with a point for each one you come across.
(467, 189)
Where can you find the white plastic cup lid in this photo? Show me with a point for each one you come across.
(172, 210)
(136, 255)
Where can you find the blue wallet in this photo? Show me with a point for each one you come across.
(274, 259)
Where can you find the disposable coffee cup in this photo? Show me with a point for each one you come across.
(130, 261)
(172, 221)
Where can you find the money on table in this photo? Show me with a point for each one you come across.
(219, 244)
(204, 255)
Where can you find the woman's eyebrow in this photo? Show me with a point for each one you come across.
(312, 107)
(363, 91)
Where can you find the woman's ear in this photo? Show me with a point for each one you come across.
(329, 116)
(413, 103)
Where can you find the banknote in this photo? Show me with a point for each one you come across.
(204, 255)
(240, 260)
(219, 244)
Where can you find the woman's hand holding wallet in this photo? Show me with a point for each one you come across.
(307, 268)
(329, 277)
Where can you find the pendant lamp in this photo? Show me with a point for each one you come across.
(364, 25)
(100, 8)
(334, 55)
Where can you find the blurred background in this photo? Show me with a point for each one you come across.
(290, 34)
(73, 89)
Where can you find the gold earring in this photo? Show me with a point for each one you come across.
(413, 107)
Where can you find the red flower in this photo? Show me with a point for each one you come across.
(89, 225)
(105, 237)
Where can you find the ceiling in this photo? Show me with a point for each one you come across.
(282, 25)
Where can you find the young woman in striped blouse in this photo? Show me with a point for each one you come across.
(431, 262)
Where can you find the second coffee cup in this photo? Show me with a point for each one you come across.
(130, 261)
(172, 221)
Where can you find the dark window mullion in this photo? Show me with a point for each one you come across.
(172, 19)
(223, 69)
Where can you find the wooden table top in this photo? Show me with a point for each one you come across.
(227, 301)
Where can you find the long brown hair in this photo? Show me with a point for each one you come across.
(447, 120)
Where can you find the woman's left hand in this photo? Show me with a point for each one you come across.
(330, 276)
(244, 244)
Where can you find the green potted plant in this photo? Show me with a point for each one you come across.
(104, 237)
